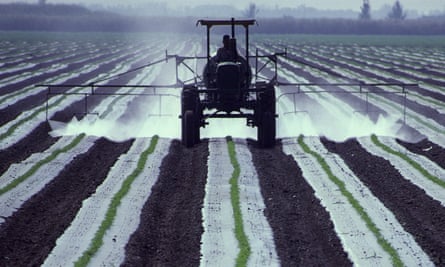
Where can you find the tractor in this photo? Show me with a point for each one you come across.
(227, 91)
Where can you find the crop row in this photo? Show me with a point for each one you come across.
(366, 201)
(370, 233)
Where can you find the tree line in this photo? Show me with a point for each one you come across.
(396, 13)
(290, 25)
(48, 17)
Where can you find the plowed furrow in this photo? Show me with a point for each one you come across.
(56, 58)
(171, 224)
(33, 230)
(421, 216)
(302, 228)
(428, 149)
(36, 141)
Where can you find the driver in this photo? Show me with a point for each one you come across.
(225, 53)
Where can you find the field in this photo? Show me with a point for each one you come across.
(357, 176)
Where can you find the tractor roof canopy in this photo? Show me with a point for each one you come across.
(210, 23)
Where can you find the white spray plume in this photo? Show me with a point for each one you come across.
(291, 125)
(337, 122)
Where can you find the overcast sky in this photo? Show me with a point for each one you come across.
(420, 5)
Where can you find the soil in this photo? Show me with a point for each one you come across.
(171, 222)
(32, 231)
(303, 232)
(428, 149)
(418, 213)
(36, 141)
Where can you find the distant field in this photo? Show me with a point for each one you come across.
(357, 177)
(371, 40)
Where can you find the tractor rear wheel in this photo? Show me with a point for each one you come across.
(266, 130)
(190, 103)
(188, 129)
(265, 117)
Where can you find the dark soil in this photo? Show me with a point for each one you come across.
(30, 233)
(171, 222)
(428, 149)
(418, 213)
(303, 232)
(36, 141)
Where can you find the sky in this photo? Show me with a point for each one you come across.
(420, 5)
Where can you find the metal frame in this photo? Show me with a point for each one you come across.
(361, 86)
(64, 90)
(181, 60)
(272, 58)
